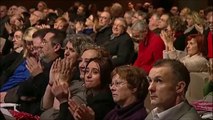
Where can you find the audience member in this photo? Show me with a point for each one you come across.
(174, 11)
(104, 30)
(168, 83)
(129, 88)
(74, 47)
(150, 47)
(120, 45)
(193, 59)
(32, 90)
(97, 79)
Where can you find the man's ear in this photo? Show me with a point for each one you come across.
(180, 87)
(57, 47)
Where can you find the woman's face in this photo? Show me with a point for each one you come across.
(190, 21)
(92, 75)
(192, 47)
(59, 25)
(29, 45)
(70, 52)
(84, 59)
(89, 21)
(17, 39)
(121, 93)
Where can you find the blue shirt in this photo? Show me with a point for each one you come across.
(20, 74)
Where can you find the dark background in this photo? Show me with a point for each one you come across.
(65, 4)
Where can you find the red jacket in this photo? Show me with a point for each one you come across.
(150, 51)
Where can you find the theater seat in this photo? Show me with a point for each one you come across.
(195, 89)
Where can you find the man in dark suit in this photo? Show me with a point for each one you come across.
(104, 31)
(168, 83)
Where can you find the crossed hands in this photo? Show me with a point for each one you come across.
(81, 112)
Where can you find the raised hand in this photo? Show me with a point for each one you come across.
(199, 28)
(8, 27)
(34, 66)
(66, 69)
(81, 112)
(60, 91)
(54, 71)
(168, 39)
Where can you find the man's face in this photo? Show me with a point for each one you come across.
(47, 48)
(138, 35)
(17, 40)
(210, 20)
(37, 43)
(118, 27)
(80, 10)
(174, 10)
(153, 21)
(12, 10)
(35, 16)
(3, 11)
(162, 87)
(163, 21)
(104, 19)
(128, 18)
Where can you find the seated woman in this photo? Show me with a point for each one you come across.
(17, 72)
(90, 24)
(62, 93)
(99, 97)
(192, 59)
(61, 24)
(129, 89)
(73, 49)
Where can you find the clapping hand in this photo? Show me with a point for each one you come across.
(60, 91)
(54, 71)
(8, 27)
(34, 66)
(168, 39)
(199, 28)
(81, 112)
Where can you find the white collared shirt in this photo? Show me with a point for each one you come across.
(167, 114)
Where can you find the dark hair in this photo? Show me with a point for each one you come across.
(208, 10)
(58, 37)
(50, 18)
(40, 33)
(135, 77)
(106, 68)
(176, 24)
(179, 70)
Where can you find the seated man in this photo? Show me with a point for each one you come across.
(168, 83)
(32, 90)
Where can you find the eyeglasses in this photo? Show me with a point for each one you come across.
(117, 83)
(44, 42)
(102, 17)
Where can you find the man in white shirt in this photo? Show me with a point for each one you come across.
(168, 83)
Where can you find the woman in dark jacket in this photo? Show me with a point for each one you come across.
(129, 88)
(99, 97)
